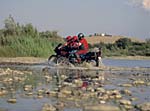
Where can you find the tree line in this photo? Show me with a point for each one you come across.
(125, 47)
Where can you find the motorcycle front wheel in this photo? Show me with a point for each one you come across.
(52, 59)
(63, 61)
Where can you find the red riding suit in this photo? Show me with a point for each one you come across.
(84, 47)
(68, 40)
(74, 45)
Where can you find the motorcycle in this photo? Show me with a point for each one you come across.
(66, 57)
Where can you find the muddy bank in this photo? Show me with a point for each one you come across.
(22, 60)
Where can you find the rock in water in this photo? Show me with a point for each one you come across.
(101, 107)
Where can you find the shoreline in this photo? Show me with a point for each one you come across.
(38, 61)
(34, 60)
(25, 60)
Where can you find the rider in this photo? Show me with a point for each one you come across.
(78, 43)
(83, 47)
(62, 49)
(68, 40)
(74, 45)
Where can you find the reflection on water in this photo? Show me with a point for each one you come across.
(64, 89)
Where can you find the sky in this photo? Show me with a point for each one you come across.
(69, 17)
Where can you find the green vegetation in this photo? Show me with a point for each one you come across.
(124, 47)
(24, 40)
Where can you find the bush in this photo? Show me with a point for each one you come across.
(124, 47)
(123, 43)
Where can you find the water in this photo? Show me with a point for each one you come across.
(127, 63)
(110, 80)
(106, 62)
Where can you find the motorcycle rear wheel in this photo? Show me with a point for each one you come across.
(92, 63)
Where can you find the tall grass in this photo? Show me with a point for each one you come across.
(27, 46)
(25, 40)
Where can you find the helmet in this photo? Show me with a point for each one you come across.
(80, 36)
(75, 38)
(68, 38)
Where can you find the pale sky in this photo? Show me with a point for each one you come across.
(69, 17)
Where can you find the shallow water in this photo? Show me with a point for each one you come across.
(110, 80)
(127, 63)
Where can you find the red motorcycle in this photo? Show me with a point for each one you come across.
(65, 57)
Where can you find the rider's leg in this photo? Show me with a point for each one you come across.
(78, 57)
(80, 52)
